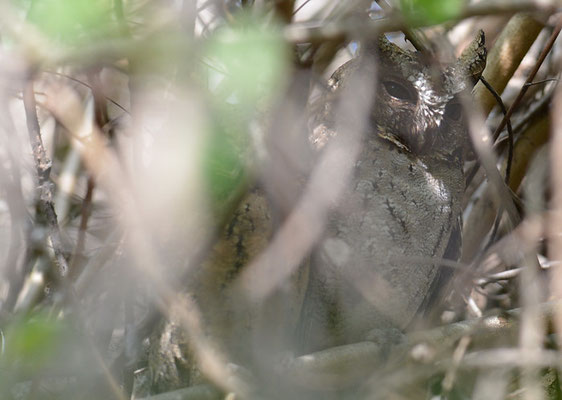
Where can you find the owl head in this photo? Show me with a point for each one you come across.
(418, 105)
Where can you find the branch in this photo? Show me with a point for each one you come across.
(43, 165)
(347, 363)
(199, 392)
(532, 74)
(306, 32)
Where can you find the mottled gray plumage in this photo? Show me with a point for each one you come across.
(373, 269)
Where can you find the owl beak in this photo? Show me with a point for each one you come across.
(418, 142)
(396, 140)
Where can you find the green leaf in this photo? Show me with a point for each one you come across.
(245, 66)
(72, 21)
(225, 167)
(248, 62)
(31, 343)
(33, 340)
(428, 12)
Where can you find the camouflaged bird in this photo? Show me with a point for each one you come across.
(377, 265)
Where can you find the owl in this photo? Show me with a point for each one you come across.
(378, 263)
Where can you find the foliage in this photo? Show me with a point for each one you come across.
(156, 164)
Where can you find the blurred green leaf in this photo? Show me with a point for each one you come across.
(72, 21)
(431, 11)
(32, 342)
(249, 60)
(246, 64)
(225, 168)
(226, 158)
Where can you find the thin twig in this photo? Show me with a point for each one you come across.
(509, 128)
(541, 82)
(84, 217)
(301, 6)
(481, 140)
(88, 86)
(43, 165)
(500, 276)
(509, 155)
(307, 32)
(457, 358)
(499, 100)
(532, 74)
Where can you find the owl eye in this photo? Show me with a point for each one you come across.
(453, 111)
(399, 91)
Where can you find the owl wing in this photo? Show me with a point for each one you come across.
(433, 304)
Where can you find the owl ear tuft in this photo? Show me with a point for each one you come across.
(472, 61)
